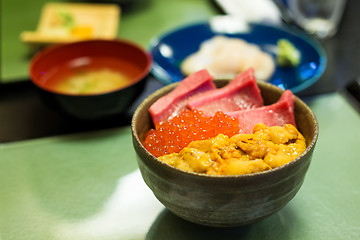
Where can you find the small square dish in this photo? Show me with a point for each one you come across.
(70, 22)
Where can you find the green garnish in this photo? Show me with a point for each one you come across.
(288, 55)
(67, 18)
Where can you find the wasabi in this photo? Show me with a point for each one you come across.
(288, 55)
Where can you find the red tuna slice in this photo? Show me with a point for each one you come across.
(241, 93)
(277, 114)
(174, 102)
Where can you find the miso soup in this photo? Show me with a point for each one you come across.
(92, 81)
(86, 76)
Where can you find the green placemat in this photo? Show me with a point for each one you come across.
(83, 186)
(17, 16)
(87, 186)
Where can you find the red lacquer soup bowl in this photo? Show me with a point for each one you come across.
(91, 79)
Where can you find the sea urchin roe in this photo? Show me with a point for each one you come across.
(264, 149)
(191, 125)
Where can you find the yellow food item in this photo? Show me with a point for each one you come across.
(264, 149)
(64, 23)
(82, 31)
(92, 82)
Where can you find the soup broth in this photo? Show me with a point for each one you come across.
(92, 76)
(93, 81)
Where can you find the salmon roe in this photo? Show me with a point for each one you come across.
(191, 125)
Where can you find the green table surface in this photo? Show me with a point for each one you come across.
(138, 22)
(87, 186)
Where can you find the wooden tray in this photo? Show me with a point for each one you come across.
(69, 22)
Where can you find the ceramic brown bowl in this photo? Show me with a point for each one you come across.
(224, 201)
(57, 61)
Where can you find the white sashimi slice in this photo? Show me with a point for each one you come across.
(226, 57)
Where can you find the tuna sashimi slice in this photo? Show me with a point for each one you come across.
(174, 102)
(241, 93)
(277, 114)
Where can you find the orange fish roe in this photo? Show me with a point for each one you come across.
(191, 125)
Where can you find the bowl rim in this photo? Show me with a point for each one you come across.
(167, 88)
(56, 47)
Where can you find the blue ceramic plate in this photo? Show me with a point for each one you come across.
(172, 48)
